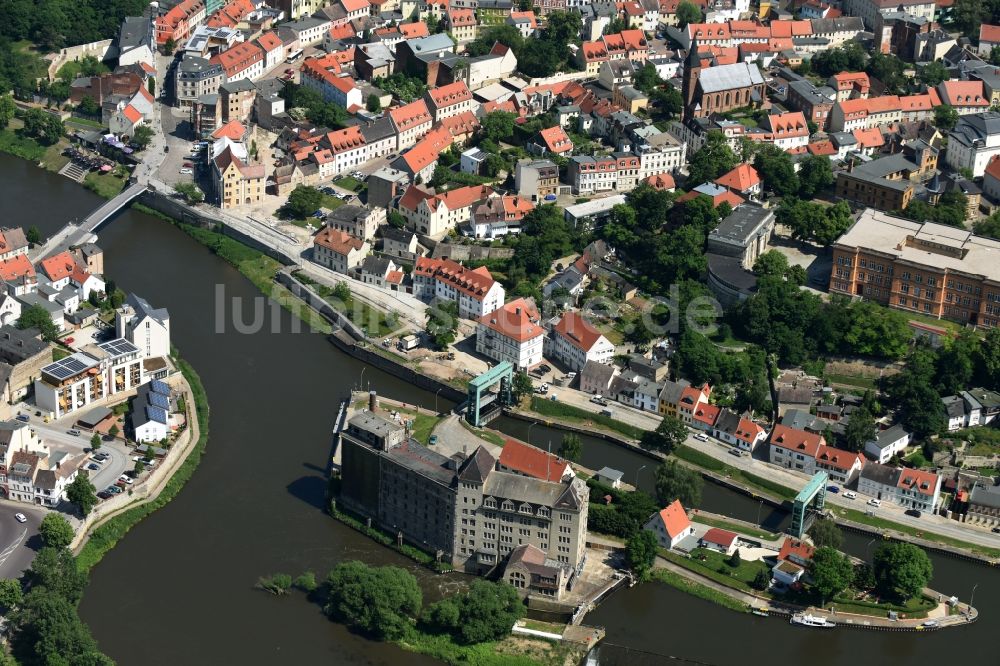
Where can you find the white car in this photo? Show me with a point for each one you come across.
(20, 517)
(874, 502)
(850, 494)
(186, 171)
(701, 437)
(125, 479)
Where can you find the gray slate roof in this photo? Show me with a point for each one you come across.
(729, 77)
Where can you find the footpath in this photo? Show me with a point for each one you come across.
(149, 489)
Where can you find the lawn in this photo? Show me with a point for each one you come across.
(716, 566)
(706, 461)
(569, 413)
(423, 423)
(331, 202)
(107, 185)
(375, 323)
(734, 527)
(851, 380)
(697, 589)
(349, 183)
(874, 521)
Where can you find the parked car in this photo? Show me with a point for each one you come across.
(125, 479)
(23, 417)
(874, 502)
(735, 452)
(186, 171)
(93, 467)
(114, 490)
(850, 494)
(833, 489)
(20, 517)
(73, 431)
(104, 494)
(701, 437)
(996, 530)
(913, 512)
(69, 341)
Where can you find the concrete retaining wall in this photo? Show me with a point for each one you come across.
(178, 210)
(317, 303)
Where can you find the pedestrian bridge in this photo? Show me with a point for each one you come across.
(101, 215)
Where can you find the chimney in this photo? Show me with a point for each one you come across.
(372, 401)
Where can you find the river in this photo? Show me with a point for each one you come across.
(178, 589)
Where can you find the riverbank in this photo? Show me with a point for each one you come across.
(95, 542)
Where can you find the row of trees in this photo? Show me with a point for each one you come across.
(386, 603)
(899, 572)
(537, 57)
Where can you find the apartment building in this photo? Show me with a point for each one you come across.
(436, 214)
(936, 270)
(195, 76)
(324, 76)
(338, 251)
(411, 121)
(89, 375)
(573, 341)
(359, 221)
(794, 448)
(448, 100)
(974, 142)
(593, 175)
(536, 180)
(512, 333)
(243, 61)
(474, 290)
(910, 488)
(146, 327)
(464, 506)
(236, 181)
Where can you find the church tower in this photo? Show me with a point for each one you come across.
(692, 71)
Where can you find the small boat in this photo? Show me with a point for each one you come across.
(807, 620)
(759, 611)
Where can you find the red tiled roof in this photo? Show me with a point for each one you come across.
(800, 549)
(269, 41)
(233, 130)
(427, 149)
(16, 267)
(413, 30)
(413, 196)
(989, 33)
(517, 320)
(410, 115)
(674, 518)
(869, 138)
(531, 461)
(59, 266)
(238, 58)
(784, 124)
(345, 139)
(918, 480)
(964, 93)
(706, 413)
(662, 181)
(462, 124)
(530, 16)
(337, 241)
(575, 329)
(838, 458)
(132, 113)
(821, 148)
(720, 537)
(741, 178)
(993, 168)
(453, 93)
(850, 80)
(461, 18)
(355, 5)
(474, 283)
(796, 440)
(556, 140)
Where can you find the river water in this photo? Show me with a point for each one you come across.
(178, 589)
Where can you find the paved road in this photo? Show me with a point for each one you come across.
(16, 539)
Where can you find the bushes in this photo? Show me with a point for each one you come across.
(278, 584)
(107, 535)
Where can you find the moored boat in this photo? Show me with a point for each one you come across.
(807, 620)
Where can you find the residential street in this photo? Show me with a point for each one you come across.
(17, 542)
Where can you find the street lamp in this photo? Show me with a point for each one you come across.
(361, 380)
(972, 596)
(637, 476)
(533, 424)
(436, 400)
(759, 507)
(869, 546)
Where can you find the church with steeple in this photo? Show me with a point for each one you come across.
(709, 87)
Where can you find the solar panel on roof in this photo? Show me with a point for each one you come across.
(156, 414)
(159, 387)
(159, 400)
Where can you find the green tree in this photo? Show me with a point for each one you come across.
(374, 105)
(687, 12)
(47, 630)
(711, 160)
(488, 611)
(815, 222)
(967, 15)
(143, 135)
(640, 552)
(888, 69)
(82, 493)
(55, 531)
(35, 316)
(988, 226)
(945, 117)
(113, 430)
(933, 73)
(191, 192)
(43, 126)
(860, 429)
(676, 482)
(864, 577)
(772, 263)
(442, 616)
(571, 447)
(815, 175)
(169, 46)
(988, 359)
(912, 391)
(33, 235)
(396, 220)
(825, 532)
(831, 572)
(497, 126)
(95, 442)
(442, 323)
(55, 569)
(88, 107)
(381, 601)
(302, 202)
(7, 109)
(902, 569)
(521, 386)
(646, 78)
(762, 580)
(11, 594)
(776, 170)
(668, 435)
